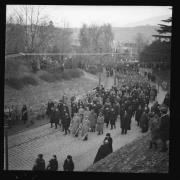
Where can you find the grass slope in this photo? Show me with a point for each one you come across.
(135, 157)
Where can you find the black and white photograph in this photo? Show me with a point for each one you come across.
(87, 88)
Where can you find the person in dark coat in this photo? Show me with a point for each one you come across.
(53, 164)
(52, 116)
(24, 114)
(39, 163)
(144, 122)
(106, 112)
(125, 122)
(130, 114)
(103, 151)
(112, 118)
(68, 164)
(164, 128)
(66, 120)
(50, 105)
(167, 100)
(138, 114)
(56, 117)
(74, 109)
(110, 141)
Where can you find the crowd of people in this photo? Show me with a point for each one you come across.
(98, 109)
(40, 164)
(135, 96)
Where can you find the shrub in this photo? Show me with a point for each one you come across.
(19, 83)
(14, 83)
(47, 77)
(58, 76)
(66, 75)
(92, 70)
(26, 80)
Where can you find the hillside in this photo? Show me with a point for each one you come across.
(135, 157)
(127, 34)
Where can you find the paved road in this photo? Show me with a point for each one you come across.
(24, 147)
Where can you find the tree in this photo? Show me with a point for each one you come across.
(165, 30)
(159, 50)
(95, 39)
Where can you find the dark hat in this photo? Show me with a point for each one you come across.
(107, 134)
(69, 156)
(40, 155)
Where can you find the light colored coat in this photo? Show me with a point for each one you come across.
(100, 123)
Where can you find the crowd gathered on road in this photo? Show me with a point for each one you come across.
(134, 97)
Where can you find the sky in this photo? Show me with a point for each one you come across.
(117, 16)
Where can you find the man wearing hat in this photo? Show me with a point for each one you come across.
(39, 163)
(68, 164)
(164, 127)
(106, 112)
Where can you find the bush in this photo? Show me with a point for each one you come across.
(58, 75)
(92, 70)
(19, 83)
(66, 75)
(47, 77)
(14, 83)
(74, 73)
(26, 80)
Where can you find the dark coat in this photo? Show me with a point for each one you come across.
(144, 122)
(49, 106)
(39, 165)
(138, 114)
(68, 165)
(110, 143)
(124, 121)
(52, 116)
(53, 165)
(164, 127)
(56, 116)
(74, 109)
(24, 114)
(127, 121)
(113, 116)
(103, 151)
(106, 112)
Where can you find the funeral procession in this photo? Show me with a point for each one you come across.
(87, 93)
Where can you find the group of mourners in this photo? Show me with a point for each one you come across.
(13, 115)
(52, 165)
(102, 106)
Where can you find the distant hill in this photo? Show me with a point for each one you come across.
(127, 34)
(154, 21)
